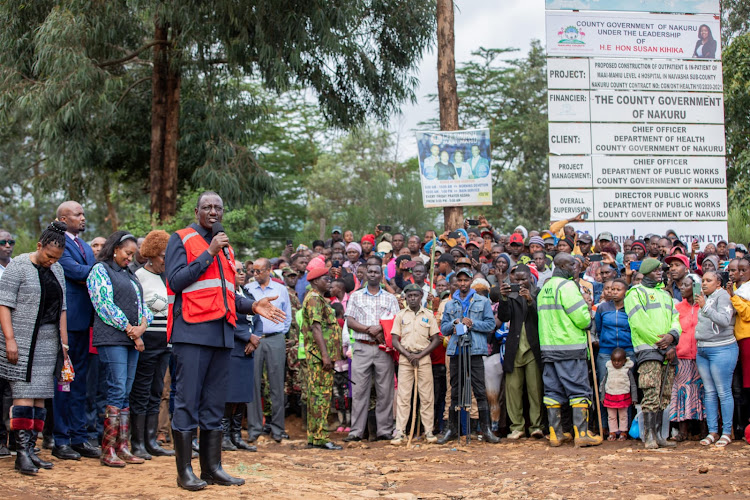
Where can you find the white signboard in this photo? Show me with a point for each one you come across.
(659, 204)
(601, 34)
(704, 232)
(570, 172)
(657, 171)
(455, 168)
(645, 74)
(629, 139)
(569, 138)
(634, 74)
(567, 203)
(637, 171)
(568, 105)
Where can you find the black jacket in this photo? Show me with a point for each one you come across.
(709, 49)
(515, 309)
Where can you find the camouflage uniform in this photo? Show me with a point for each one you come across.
(655, 379)
(316, 309)
(293, 380)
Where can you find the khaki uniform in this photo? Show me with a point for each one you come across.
(415, 331)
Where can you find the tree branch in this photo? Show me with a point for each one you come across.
(134, 54)
(132, 85)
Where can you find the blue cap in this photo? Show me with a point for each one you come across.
(466, 271)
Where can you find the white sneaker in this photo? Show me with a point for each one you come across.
(430, 437)
(398, 440)
(515, 435)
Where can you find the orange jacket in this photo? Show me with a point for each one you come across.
(212, 296)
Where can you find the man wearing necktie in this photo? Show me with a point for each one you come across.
(71, 438)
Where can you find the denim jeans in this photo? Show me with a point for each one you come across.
(119, 364)
(716, 367)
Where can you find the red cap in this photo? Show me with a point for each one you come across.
(369, 237)
(315, 269)
(516, 238)
(681, 258)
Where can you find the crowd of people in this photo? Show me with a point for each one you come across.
(115, 348)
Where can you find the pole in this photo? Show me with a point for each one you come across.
(597, 404)
(414, 405)
(448, 90)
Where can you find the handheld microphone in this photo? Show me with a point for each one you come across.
(218, 228)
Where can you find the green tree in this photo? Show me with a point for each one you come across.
(361, 183)
(736, 59)
(509, 96)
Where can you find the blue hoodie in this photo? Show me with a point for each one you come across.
(613, 328)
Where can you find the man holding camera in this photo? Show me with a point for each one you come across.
(468, 314)
(564, 317)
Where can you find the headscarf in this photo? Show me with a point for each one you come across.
(524, 231)
(354, 246)
(463, 231)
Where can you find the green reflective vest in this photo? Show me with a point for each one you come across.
(651, 313)
(563, 319)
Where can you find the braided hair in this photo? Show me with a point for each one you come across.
(54, 234)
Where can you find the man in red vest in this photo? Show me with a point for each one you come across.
(203, 310)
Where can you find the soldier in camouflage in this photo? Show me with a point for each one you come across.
(322, 339)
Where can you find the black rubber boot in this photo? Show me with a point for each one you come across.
(235, 429)
(486, 427)
(24, 464)
(663, 443)
(186, 479)
(647, 433)
(211, 470)
(451, 428)
(152, 445)
(583, 436)
(138, 436)
(226, 442)
(557, 436)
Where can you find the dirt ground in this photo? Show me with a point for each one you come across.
(521, 469)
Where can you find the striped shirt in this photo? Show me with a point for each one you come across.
(369, 309)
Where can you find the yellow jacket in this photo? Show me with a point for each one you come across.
(742, 323)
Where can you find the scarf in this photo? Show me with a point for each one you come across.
(465, 302)
(648, 282)
(743, 291)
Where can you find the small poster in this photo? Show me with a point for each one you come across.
(455, 168)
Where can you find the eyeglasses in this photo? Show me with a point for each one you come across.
(241, 270)
(208, 208)
(256, 271)
(7, 242)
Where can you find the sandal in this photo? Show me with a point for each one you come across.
(710, 439)
(623, 437)
(723, 441)
(612, 437)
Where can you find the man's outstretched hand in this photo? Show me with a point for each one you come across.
(268, 310)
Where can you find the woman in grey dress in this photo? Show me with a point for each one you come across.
(34, 326)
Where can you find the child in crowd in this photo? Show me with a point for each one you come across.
(341, 370)
(620, 391)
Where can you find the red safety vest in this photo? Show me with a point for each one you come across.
(211, 297)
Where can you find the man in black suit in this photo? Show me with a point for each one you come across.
(200, 272)
(71, 438)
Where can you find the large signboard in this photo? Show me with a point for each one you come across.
(600, 34)
(455, 168)
(636, 118)
(676, 6)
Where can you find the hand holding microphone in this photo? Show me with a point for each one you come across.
(219, 242)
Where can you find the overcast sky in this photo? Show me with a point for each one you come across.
(494, 24)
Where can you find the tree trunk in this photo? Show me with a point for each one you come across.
(165, 114)
(114, 221)
(447, 90)
(158, 116)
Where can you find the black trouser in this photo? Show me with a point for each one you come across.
(148, 385)
(439, 387)
(477, 381)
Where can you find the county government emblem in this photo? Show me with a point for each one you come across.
(571, 36)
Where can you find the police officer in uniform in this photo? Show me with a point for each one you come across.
(203, 310)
